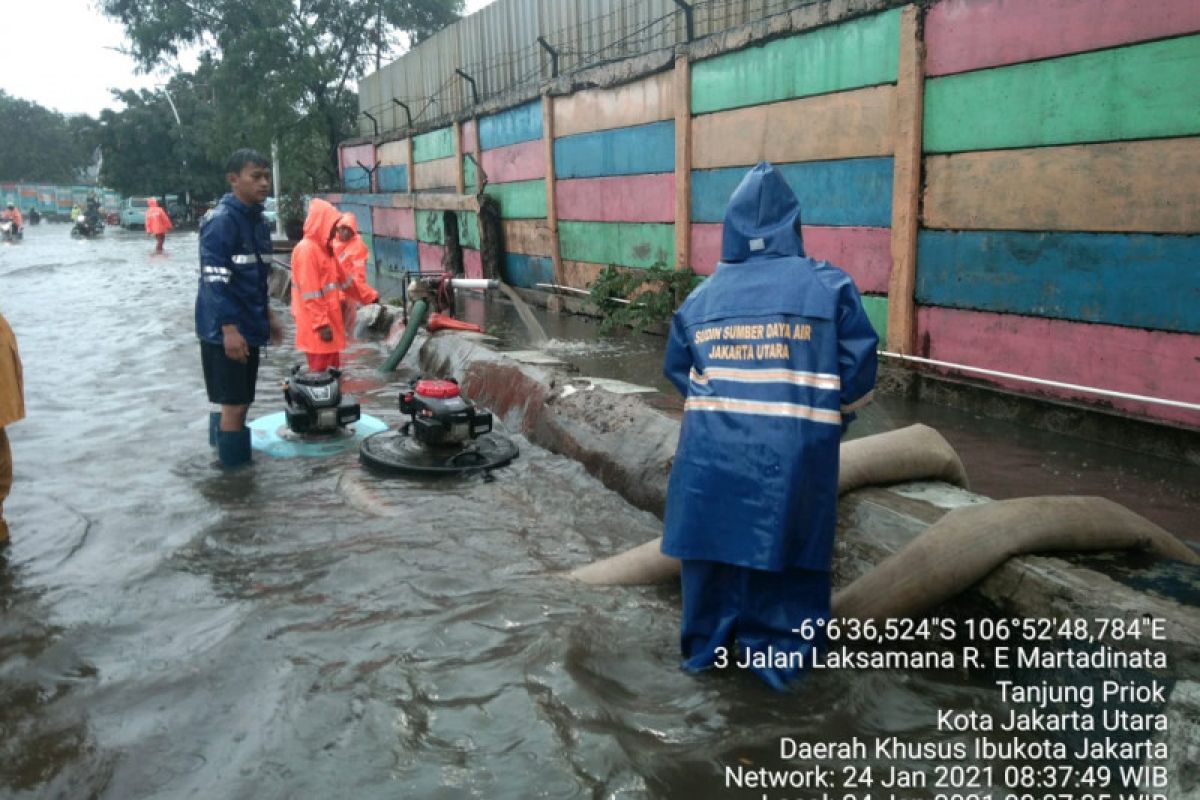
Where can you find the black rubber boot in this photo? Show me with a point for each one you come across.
(214, 427)
(233, 448)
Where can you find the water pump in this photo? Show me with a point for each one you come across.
(315, 403)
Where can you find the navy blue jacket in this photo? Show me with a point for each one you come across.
(772, 352)
(235, 261)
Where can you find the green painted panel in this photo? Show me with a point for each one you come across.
(864, 52)
(433, 145)
(470, 173)
(430, 227)
(369, 241)
(876, 306)
(1137, 92)
(468, 229)
(627, 244)
(520, 200)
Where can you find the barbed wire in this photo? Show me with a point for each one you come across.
(518, 69)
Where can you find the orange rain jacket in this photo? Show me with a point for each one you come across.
(353, 254)
(157, 220)
(318, 282)
(15, 215)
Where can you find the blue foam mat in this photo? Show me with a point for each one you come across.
(270, 435)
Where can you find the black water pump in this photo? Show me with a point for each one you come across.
(315, 403)
(441, 416)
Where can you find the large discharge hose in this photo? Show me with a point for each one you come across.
(421, 289)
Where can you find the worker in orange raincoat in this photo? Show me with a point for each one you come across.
(318, 282)
(351, 253)
(157, 224)
(14, 213)
(12, 408)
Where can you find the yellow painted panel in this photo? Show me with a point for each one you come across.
(638, 103)
(1148, 186)
(842, 125)
(442, 174)
(531, 237)
(393, 153)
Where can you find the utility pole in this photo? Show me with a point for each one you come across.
(187, 194)
(276, 187)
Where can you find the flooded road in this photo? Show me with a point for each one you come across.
(306, 630)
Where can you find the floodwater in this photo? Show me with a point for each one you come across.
(303, 629)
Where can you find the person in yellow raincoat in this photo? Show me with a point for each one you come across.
(12, 408)
(157, 223)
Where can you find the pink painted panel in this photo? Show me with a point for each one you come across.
(1132, 360)
(470, 137)
(623, 198)
(705, 247)
(472, 263)
(352, 154)
(525, 161)
(399, 223)
(962, 35)
(430, 256)
(864, 253)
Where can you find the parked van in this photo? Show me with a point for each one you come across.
(133, 212)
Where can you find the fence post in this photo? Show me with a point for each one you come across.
(456, 134)
(906, 184)
(551, 208)
(683, 161)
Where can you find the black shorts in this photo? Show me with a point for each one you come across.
(229, 382)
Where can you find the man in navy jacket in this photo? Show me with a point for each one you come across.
(233, 316)
(773, 354)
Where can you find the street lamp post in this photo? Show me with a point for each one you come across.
(187, 194)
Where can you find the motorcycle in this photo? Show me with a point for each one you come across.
(9, 232)
(87, 228)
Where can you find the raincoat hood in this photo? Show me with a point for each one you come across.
(762, 218)
(350, 221)
(152, 203)
(322, 217)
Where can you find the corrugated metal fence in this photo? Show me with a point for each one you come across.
(498, 47)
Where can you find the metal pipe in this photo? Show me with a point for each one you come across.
(474, 88)
(687, 18)
(1043, 382)
(553, 55)
(407, 110)
(474, 283)
(374, 122)
(576, 291)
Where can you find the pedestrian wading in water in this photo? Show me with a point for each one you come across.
(233, 315)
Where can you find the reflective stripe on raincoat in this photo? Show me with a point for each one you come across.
(318, 283)
(157, 220)
(770, 353)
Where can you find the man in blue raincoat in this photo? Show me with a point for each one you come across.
(773, 354)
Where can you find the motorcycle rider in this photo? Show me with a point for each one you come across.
(13, 213)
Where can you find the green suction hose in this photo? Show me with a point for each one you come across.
(416, 318)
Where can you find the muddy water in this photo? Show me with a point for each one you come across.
(304, 629)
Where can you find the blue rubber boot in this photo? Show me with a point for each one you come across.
(233, 448)
(214, 427)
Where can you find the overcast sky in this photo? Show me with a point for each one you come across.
(63, 54)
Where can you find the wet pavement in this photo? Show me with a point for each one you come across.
(305, 629)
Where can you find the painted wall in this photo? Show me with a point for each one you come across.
(1059, 227)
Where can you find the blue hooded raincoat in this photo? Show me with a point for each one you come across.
(773, 354)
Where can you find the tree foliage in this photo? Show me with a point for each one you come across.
(642, 299)
(41, 145)
(279, 69)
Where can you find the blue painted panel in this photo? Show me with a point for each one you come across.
(393, 178)
(1136, 280)
(852, 191)
(637, 150)
(526, 271)
(520, 124)
(356, 179)
(396, 255)
(362, 214)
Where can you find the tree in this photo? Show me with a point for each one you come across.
(41, 145)
(282, 69)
